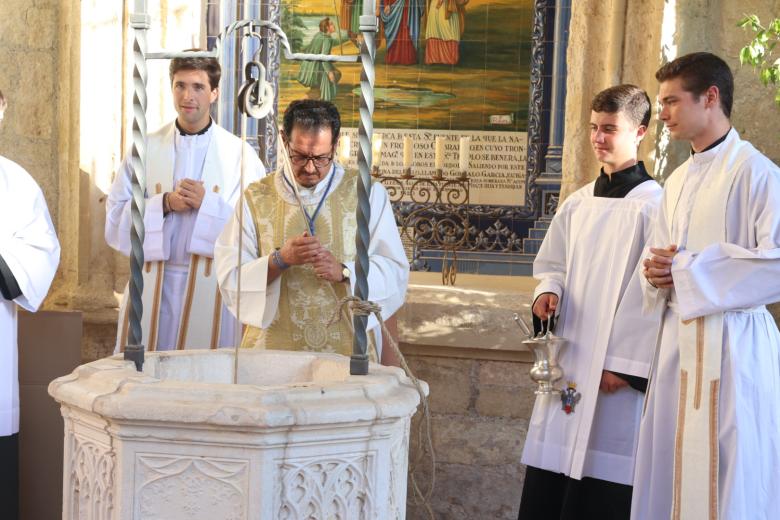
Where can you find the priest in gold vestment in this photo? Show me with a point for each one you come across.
(297, 256)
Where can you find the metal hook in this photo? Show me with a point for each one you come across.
(253, 31)
(548, 328)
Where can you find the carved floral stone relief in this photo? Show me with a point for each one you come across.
(336, 488)
(193, 487)
(91, 478)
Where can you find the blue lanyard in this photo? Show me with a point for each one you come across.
(311, 218)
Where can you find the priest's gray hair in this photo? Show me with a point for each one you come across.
(311, 115)
(208, 65)
(626, 98)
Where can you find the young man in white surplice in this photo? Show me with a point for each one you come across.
(29, 255)
(192, 185)
(580, 446)
(710, 441)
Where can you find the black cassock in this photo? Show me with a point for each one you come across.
(9, 446)
(9, 476)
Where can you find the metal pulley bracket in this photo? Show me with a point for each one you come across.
(256, 95)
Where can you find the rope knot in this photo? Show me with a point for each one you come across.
(357, 307)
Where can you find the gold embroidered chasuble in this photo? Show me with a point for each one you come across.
(306, 303)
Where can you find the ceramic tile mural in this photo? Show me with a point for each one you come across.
(450, 64)
(453, 71)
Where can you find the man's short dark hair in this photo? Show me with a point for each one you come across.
(2, 101)
(629, 99)
(311, 115)
(208, 65)
(700, 71)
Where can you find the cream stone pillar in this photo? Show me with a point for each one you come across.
(685, 27)
(595, 37)
(610, 42)
(640, 57)
(39, 57)
(705, 25)
(85, 278)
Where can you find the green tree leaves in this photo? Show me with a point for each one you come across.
(759, 52)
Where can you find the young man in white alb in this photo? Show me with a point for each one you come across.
(710, 439)
(29, 255)
(192, 184)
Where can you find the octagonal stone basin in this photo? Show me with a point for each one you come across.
(296, 438)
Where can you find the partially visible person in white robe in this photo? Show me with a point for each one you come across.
(192, 185)
(29, 255)
(296, 267)
(710, 438)
(580, 453)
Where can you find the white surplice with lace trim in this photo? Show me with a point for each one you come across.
(589, 258)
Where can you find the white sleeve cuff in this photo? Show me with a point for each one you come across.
(548, 286)
(154, 237)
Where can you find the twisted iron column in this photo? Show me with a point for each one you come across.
(358, 364)
(140, 22)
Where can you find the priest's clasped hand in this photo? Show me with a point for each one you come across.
(658, 268)
(306, 249)
(327, 267)
(300, 250)
(172, 201)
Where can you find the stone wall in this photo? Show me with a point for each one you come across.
(463, 342)
(480, 411)
(40, 57)
(29, 52)
(39, 46)
(755, 115)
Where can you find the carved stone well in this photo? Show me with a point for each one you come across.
(296, 438)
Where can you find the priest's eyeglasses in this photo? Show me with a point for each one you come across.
(319, 161)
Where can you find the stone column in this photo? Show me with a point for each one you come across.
(640, 56)
(596, 33)
(610, 42)
(39, 57)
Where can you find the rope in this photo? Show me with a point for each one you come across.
(240, 205)
(357, 307)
